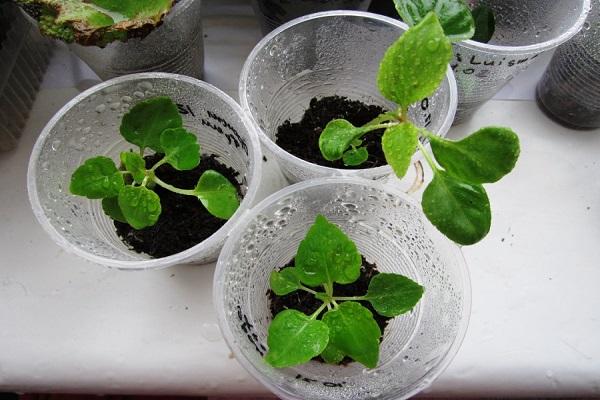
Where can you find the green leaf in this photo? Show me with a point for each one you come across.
(327, 255)
(454, 15)
(294, 339)
(485, 23)
(140, 206)
(110, 206)
(285, 281)
(145, 122)
(135, 164)
(332, 355)
(337, 137)
(181, 148)
(353, 331)
(413, 67)
(483, 157)
(460, 210)
(393, 294)
(217, 194)
(97, 178)
(399, 143)
(356, 156)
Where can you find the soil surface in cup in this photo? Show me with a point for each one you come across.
(302, 138)
(183, 222)
(306, 302)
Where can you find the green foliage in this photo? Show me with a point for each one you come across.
(355, 156)
(147, 120)
(454, 15)
(337, 137)
(327, 255)
(485, 23)
(295, 338)
(153, 123)
(407, 79)
(346, 329)
(399, 143)
(97, 178)
(98, 22)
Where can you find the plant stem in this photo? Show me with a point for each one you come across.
(335, 304)
(158, 164)
(187, 192)
(351, 298)
(428, 158)
(319, 310)
(309, 290)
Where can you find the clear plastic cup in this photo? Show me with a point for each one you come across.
(524, 30)
(569, 91)
(325, 54)
(88, 126)
(273, 13)
(176, 46)
(389, 230)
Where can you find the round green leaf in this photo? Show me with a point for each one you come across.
(135, 164)
(485, 23)
(393, 294)
(327, 255)
(354, 332)
(110, 206)
(97, 178)
(140, 206)
(337, 137)
(356, 156)
(217, 194)
(460, 210)
(181, 148)
(285, 281)
(145, 122)
(454, 15)
(294, 339)
(483, 157)
(399, 143)
(413, 66)
(332, 355)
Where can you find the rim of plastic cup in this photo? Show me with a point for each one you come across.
(276, 149)
(232, 243)
(156, 262)
(532, 48)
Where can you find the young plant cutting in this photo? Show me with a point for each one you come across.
(132, 193)
(412, 69)
(341, 326)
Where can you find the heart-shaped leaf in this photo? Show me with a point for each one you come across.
(97, 178)
(181, 148)
(399, 143)
(483, 157)
(460, 210)
(393, 294)
(327, 255)
(217, 194)
(337, 137)
(285, 281)
(354, 332)
(140, 206)
(294, 339)
(110, 206)
(135, 164)
(147, 120)
(355, 156)
(413, 66)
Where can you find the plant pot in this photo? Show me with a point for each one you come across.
(177, 46)
(273, 13)
(88, 126)
(524, 30)
(325, 54)
(389, 230)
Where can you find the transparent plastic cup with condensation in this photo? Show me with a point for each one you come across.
(88, 126)
(569, 91)
(389, 230)
(524, 30)
(176, 46)
(326, 54)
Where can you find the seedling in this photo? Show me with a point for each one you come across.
(412, 69)
(341, 326)
(97, 22)
(126, 192)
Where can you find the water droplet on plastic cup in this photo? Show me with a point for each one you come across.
(101, 108)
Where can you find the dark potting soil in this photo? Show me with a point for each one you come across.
(302, 138)
(183, 222)
(308, 304)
